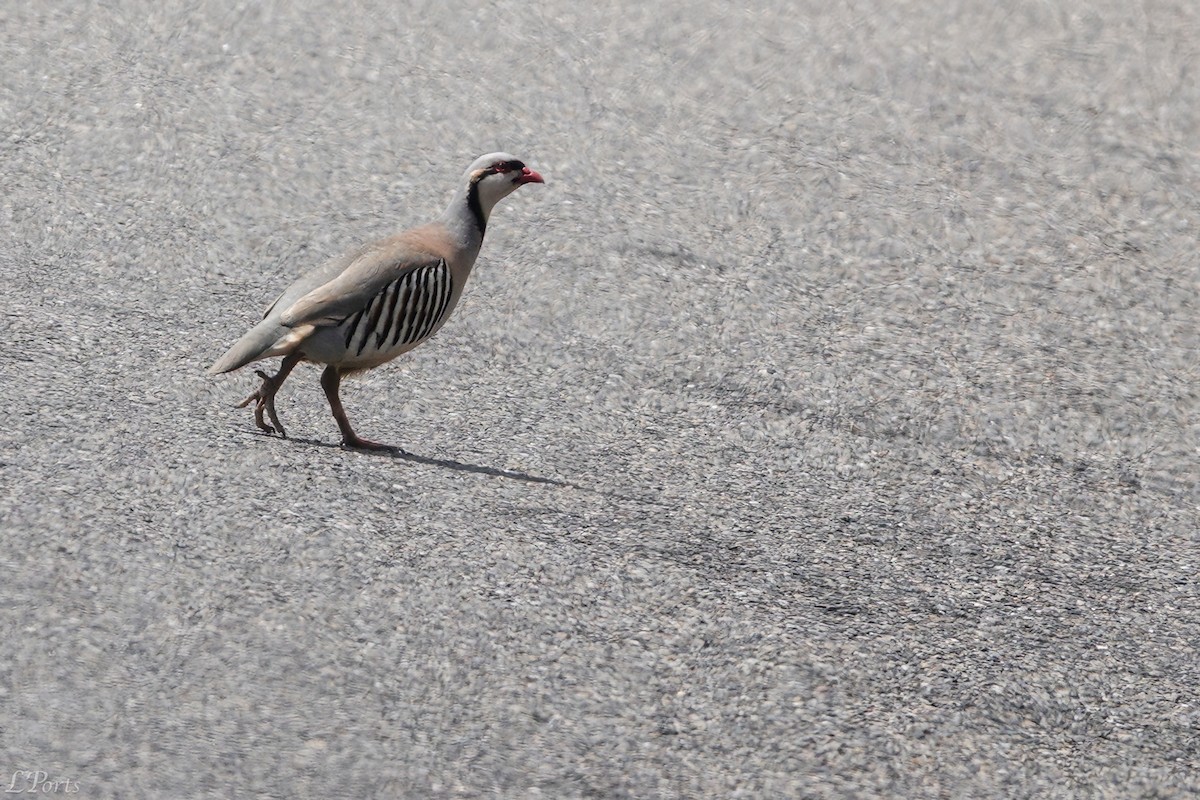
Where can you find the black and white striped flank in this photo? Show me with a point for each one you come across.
(406, 311)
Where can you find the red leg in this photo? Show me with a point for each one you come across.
(264, 397)
(331, 379)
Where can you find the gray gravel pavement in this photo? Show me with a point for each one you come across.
(826, 427)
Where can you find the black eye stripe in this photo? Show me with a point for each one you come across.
(506, 166)
(500, 167)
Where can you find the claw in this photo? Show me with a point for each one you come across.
(278, 426)
(258, 417)
(264, 397)
(359, 443)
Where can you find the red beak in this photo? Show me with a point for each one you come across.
(529, 176)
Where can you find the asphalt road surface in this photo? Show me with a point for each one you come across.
(826, 426)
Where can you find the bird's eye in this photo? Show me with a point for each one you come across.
(501, 166)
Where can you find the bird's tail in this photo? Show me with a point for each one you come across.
(266, 339)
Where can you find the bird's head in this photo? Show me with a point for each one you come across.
(493, 177)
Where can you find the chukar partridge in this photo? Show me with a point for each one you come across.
(370, 305)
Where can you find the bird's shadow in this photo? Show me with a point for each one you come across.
(399, 454)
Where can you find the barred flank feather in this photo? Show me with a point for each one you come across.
(405, 312)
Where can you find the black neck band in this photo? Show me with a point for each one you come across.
(475, 206)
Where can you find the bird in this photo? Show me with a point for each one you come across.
(362, 309)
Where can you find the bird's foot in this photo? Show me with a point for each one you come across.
(358, 443)
(264, 401)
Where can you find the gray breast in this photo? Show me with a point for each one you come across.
(408, 310)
